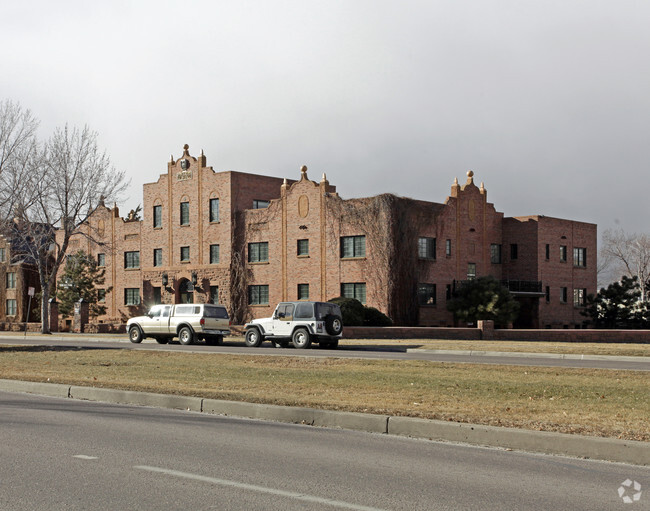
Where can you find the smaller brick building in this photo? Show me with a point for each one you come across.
(249, 241)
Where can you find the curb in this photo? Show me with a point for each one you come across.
(521, 354)
(544, 442)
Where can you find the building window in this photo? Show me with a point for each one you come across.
(101, 295)
(579, 297)
(471, 271)
(448, 291)
(185, 213)
(214, 254)
(548, 294)
(563, 253)
(214, 294)
(303, 247)
(258, 295)
(131, 296)
(258, 252)
(580, 257)
(157, 257)
(101, 259)
(214, 210)
(260, 204)
(448, 248)
(185, 254)
(303, 291)
(11, 280)
(157, 217)
(514, 251)
(426, 294)
(354, 290)
(427, 248)
(548, 251)
(132, 259)
(495, 253)
(3, 254)
(157, 295)
(563, 294)
(353, 246)
(11, 307)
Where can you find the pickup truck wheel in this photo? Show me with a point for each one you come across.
(214, 340)
(162, 340)
(253, 338)
(135, 334)
(301, 339)
(333, 325)
(186, 336)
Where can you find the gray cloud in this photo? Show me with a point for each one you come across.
(546, 101)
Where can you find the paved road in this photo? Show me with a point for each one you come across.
(75, 455)
(366, 351)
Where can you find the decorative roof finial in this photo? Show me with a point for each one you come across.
(202, 153)
(455, 181)
(303, 172)
(323, 178)
(171, 158)
(186, 150)
(470, 176)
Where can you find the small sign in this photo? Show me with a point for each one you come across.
(31, 291)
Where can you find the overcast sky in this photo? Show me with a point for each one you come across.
(548, 102)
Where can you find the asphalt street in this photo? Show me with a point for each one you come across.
(360, 350)
(77, 455)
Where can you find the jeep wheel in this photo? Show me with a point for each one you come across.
(301, 339)
(333, 325)
(186, 336)
(135, 334)
(253, 338)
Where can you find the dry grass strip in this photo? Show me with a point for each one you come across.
(584, 401)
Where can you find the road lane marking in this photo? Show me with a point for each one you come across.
(84, 457)
(261, 489)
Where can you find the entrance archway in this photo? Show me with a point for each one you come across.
(186, 292)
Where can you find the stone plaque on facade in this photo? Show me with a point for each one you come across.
(303, 206)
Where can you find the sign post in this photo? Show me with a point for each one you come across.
(30, 291)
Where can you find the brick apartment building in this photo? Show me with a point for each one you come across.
(250, 241)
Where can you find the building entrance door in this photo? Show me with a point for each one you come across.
(186, 292)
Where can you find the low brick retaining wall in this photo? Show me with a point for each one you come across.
(405, 332)
(547, 335)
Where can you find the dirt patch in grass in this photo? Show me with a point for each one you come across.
(586, 401)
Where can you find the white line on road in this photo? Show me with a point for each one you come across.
(84, 457)
(261, 489)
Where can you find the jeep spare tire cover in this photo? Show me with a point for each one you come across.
(333, 324)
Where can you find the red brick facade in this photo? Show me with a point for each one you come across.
(305, 241)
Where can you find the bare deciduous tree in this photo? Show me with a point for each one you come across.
(629, 255)
(65, 185)
(18, 146)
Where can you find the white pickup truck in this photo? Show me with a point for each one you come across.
(187, 321)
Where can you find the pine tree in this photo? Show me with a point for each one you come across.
(484, 298)
(619, 305)
(79, 280)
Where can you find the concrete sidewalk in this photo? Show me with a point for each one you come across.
(608, 449)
